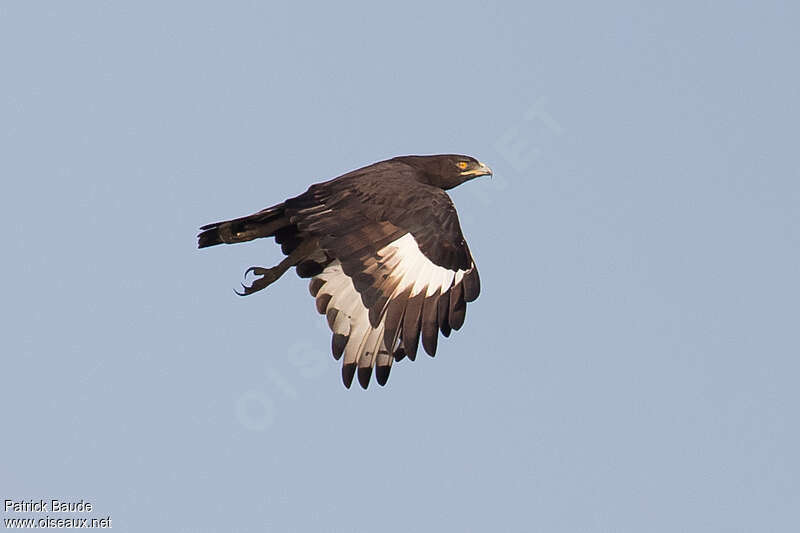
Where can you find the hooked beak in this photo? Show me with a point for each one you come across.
(481, 170)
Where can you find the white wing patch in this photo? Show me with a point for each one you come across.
(414, 268)
(396, 269)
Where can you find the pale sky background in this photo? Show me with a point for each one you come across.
(631, 365)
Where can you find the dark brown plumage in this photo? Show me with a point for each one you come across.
(384, 248)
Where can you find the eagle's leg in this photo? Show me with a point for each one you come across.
(270, 275)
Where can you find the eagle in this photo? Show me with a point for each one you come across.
(385, 253)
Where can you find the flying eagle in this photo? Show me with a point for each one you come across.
(385, 252)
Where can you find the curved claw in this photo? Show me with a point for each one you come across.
(258, 271)
(267, 277)
(257, 285)
(245, 293)
(252, 288)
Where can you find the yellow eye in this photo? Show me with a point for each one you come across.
(462, 165)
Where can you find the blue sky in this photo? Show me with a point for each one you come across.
(631, 364)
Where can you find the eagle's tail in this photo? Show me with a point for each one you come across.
(265, 223)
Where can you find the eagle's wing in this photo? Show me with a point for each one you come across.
(400, 268)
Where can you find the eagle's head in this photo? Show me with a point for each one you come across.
(445, 171)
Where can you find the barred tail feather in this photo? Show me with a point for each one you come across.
(265, 223)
